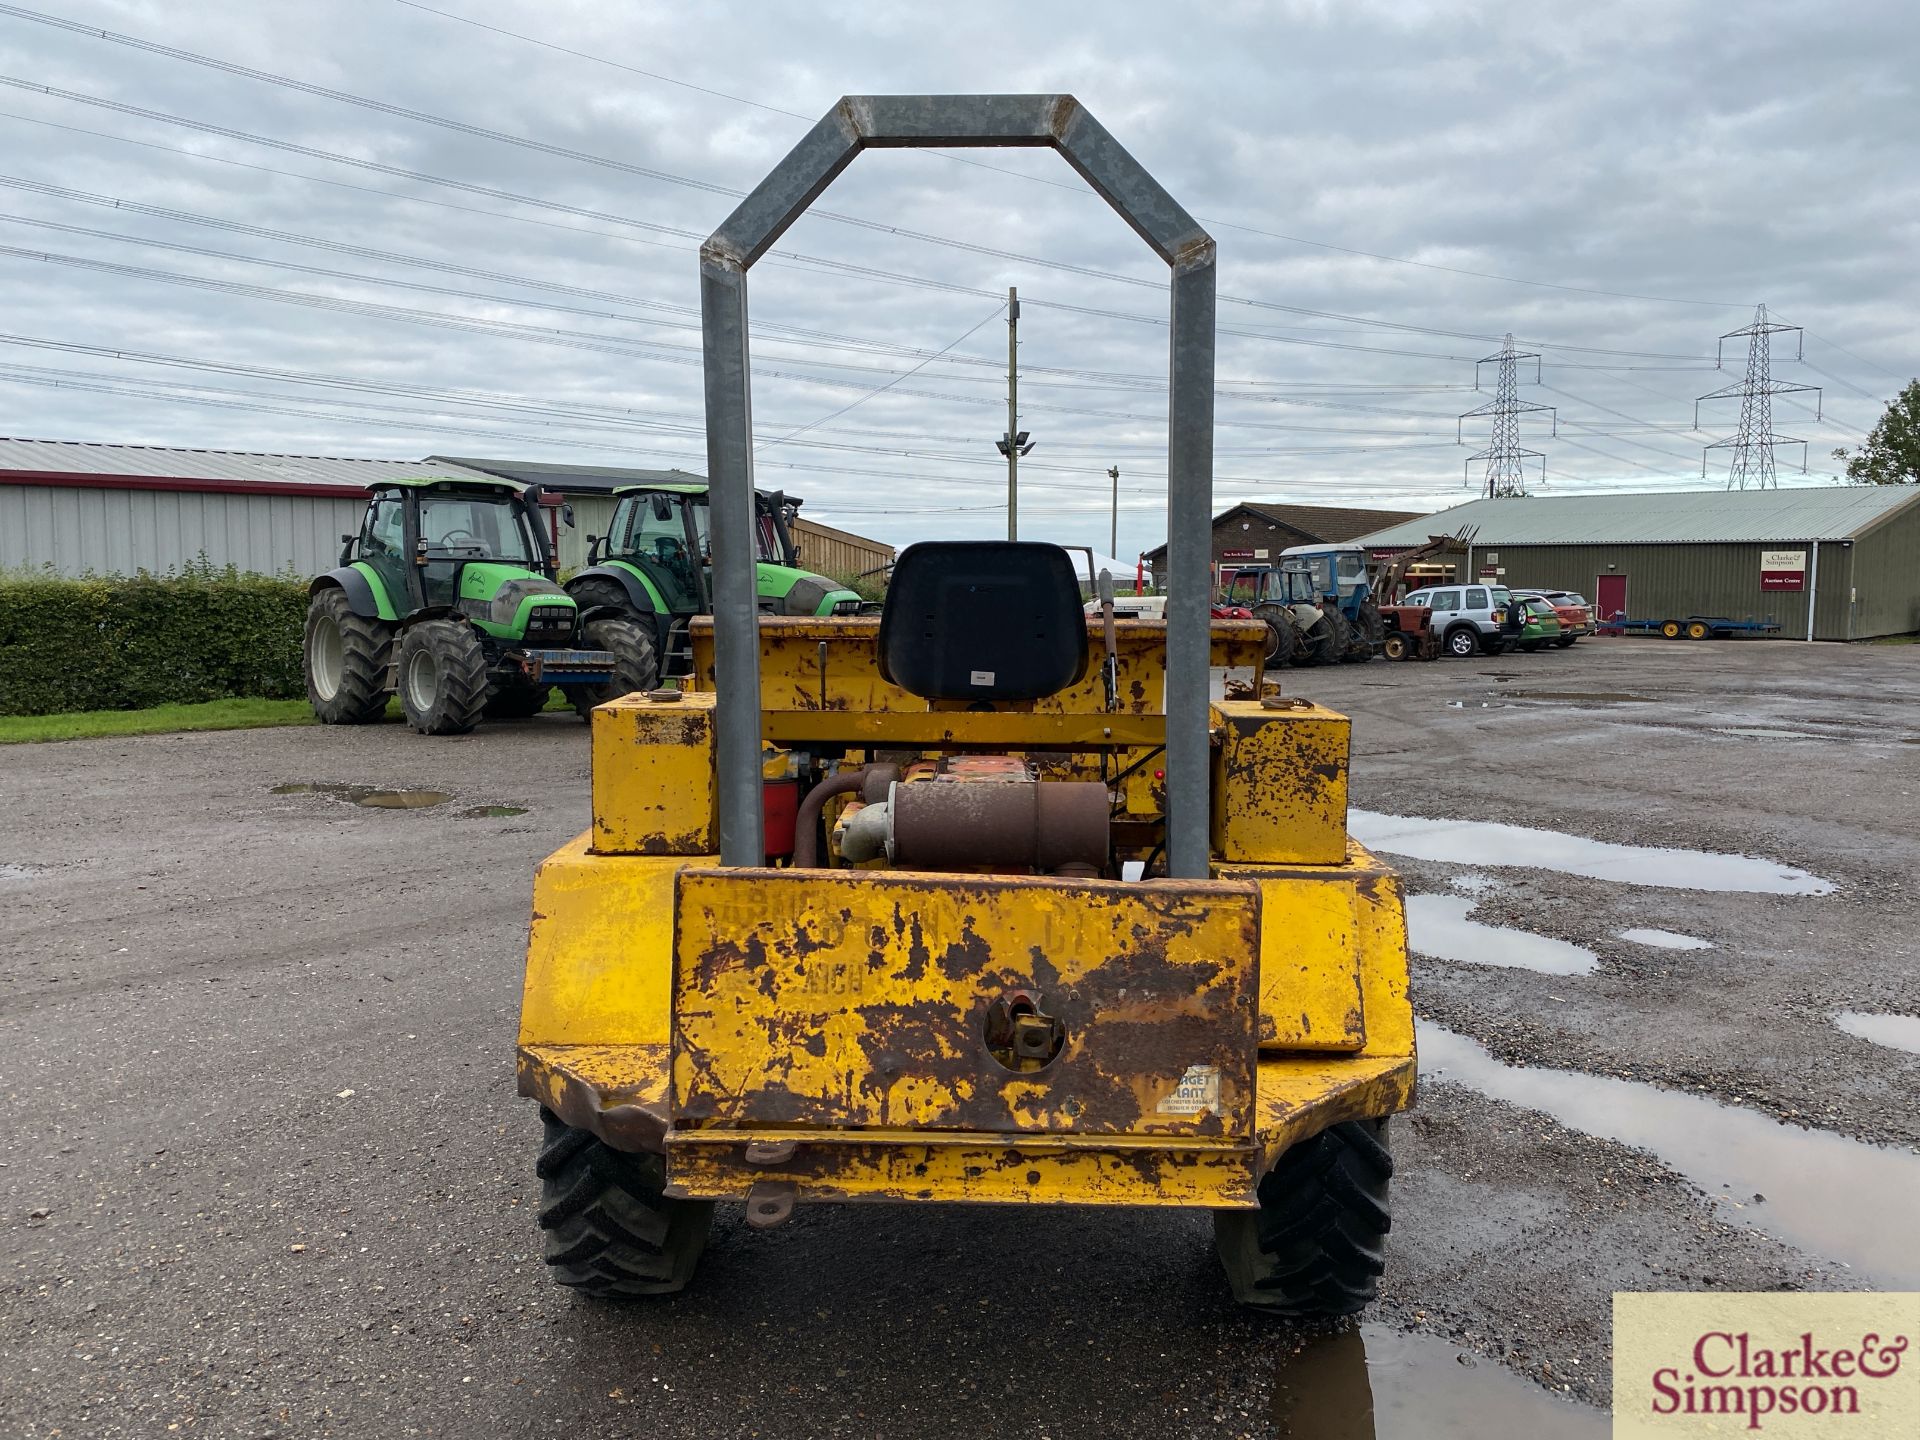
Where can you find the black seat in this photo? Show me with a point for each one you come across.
(983, 620)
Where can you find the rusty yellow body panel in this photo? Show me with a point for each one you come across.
(796, 674)
(600, 952)
(862, 999)
(621, 1093)
(654, 789)
(1280, 784)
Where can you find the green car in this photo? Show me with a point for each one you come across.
(1539, 625)
(654, 567)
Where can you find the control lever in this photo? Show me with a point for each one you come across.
(1110, 668)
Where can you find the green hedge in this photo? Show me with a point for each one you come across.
(120, 643)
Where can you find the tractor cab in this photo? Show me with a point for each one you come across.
(420, 538)
(1339, 571)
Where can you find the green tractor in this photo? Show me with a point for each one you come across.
(653, 567)
(448, 595)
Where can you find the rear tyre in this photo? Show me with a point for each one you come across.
(1463, 641)
(636, 665)
(1565, 642)
(443, 677)
(1281, 641)
(517, 700)
(594, 592)
(1395, 647)
(346, 659)
(1697, 630)
(1530, 646)
(609, 1231)
(1316, 1246)
(1328, 639)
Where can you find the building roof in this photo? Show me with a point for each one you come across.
(1688, 517)
(1322, 524)
(49, 458)
(575, 479)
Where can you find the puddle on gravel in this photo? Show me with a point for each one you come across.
(1663, 939)
(1824, 1194)
(1761, 732)
(1376, 1383)
(18, 872)
(1590, 697)
(1897, 1032)
(492, 812)
(1478, 842)
(1437, 925)
(1477, 705)
(1473, 884)
(368, 795)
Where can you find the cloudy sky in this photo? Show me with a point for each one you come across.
(193, 255)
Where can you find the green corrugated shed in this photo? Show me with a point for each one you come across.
(1699, 552)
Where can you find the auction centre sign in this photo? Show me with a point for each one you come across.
(1783, 569)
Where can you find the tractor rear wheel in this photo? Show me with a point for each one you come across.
(636, 665)
(1328, 641)
(610, 1232)
(443, 677)
(346, 661)
(517, 700)
(1280, 634)
(595, 594)
(1316, 1246)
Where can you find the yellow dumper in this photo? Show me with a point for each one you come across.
(979, 901)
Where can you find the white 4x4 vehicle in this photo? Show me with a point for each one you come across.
(1466, 617)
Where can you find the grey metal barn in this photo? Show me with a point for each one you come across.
(1838, 562)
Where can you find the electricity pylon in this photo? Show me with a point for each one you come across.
(1753, 443)
(1506, 460)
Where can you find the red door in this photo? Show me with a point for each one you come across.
(1610, 597)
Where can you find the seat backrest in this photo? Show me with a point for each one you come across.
(983, 620)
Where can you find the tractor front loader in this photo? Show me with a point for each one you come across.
(980, 901)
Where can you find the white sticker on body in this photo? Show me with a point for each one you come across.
(1198, 1092)
(982, 677)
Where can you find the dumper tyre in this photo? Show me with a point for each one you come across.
(443, 677)
(345, 658)
(609, 1231)
(636, 664)
(1316, 1246)
(517, 700)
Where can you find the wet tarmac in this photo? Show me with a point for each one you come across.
(1438, 925)
(1375, 1383)
(1477, 842)
(1825, 1194)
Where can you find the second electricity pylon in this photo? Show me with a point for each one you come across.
(1506, 460)
(1753, 443)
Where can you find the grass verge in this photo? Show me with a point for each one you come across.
(160, 719)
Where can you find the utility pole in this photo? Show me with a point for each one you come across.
(1506, 460)
(1014, 443)
(1113, 536)
(1752, 444)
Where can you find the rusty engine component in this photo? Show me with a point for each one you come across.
(982, 812)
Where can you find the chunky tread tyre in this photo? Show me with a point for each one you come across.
(1328, 641)
(1316, 1246)
(443, 677)
(1281, 638)
(636, 664)
(594, 593)
(365, 650)
(609, 1231)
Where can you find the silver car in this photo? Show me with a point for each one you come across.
(1467, 618)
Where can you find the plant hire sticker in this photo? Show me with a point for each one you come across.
(1784, 1364)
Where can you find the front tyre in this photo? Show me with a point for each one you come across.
(443, 677)
(610, 1232)
(636, 664)
(1316, 1246)
(346, 658)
